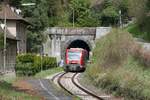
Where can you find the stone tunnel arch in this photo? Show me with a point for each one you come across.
(77, 43)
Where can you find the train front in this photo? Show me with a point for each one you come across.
(75, 59)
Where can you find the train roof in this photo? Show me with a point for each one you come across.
(76, 49)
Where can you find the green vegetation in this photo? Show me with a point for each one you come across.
(141, 11)
(117, 67)
(51, 13)
(7, 92)
(136, 31)
(30, 64)
(92, 13)
(110, 12)
(8, 78)
(84, 16)
(48, 72)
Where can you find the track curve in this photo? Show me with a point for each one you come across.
(74, 89)
(60, 84)
(86, 91)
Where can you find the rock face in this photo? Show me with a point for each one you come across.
(60, 38)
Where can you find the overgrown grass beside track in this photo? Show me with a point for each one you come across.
(48, 72)
(117, 70)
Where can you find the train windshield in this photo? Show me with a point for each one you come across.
(74, 55)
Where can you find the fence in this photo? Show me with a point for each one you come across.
(10, 61)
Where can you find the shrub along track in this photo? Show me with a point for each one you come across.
(68, 81)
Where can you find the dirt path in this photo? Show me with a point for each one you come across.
(24, 86)
(42, 88)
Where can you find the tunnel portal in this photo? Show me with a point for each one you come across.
(79, 44)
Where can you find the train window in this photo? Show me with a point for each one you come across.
(74, 55)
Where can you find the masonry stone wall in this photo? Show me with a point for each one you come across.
(59, 38)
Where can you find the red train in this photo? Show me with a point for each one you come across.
(76, 59)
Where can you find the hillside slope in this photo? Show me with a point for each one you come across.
(118, 67)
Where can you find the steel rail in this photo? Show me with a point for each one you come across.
(76, 84)
(53, 78)
(86, 91)
(60, 84)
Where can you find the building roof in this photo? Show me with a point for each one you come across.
(8, 34)
(10, 13)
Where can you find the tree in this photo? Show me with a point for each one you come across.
(140, 10)
(58, 15)
(110, 11)
(38, 17)
(109, 16)
(137, 9)
(83, 15)
(15, 3)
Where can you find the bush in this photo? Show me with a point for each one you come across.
(113, 49)
(117, 67)
(30, 64)
(26, 58)
(47, 62)
(25, 69)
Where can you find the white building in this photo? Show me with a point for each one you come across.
(16, 36)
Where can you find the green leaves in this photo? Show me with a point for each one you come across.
(34, 41)
(140, 10)
(110, 12)
(30, 64)
(37, 15)
(83, 14)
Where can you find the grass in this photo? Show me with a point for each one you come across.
(131, 80)
(137, 32)
(51, 71)
(8, 92)
(116, 70)
(8, 78)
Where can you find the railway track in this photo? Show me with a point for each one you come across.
(68, 82)
(61, 85)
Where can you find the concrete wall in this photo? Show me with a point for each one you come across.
(47, 47)
(102, 31)
(145, 45)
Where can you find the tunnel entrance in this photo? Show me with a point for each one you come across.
(79, 44)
